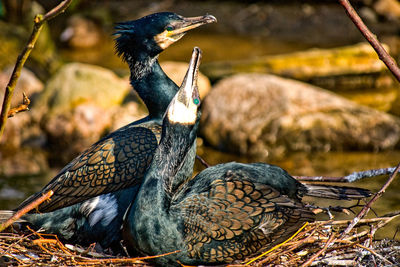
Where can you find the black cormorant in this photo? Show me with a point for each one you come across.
(225, 213)
(120, 159)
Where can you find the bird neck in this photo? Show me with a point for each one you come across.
(152, 84)
(172, 165)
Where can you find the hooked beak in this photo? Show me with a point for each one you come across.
(188, 24)
(185, 105)
(168, 37)
(189, 93)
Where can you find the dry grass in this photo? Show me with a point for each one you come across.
(318, 244)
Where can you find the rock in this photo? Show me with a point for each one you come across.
(76, 83)
(129, 112)
(22, 140)
(383, 99)
(395, 109)
(76, 108)
(73, 131)
(21, 146)
(266, 116)
(81, 33)
(350, 71)
(304, 65)
(27, 83)
(176, 71)
(388, 8)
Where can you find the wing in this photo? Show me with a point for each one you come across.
(237, 218)
(118, 161)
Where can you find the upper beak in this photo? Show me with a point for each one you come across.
(188, 24)
(190, 92)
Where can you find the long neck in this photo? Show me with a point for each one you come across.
(170, 164)
(152, 84)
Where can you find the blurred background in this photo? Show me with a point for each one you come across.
(291, 83)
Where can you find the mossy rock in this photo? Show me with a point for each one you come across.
(76, 83)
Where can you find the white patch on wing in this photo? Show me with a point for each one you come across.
(101, 209)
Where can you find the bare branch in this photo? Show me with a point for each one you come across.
(37, 27)
(367, 207)
(202, 161)
(25, 210)
(21, 107)
(355, 176)
(371, 38)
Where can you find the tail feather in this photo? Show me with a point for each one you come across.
(335, 192)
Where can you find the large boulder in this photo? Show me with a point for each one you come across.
(263, 115)
(77, 83)
(77, 106)
(355, 72)
(22, 140)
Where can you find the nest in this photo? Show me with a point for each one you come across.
(320, 243)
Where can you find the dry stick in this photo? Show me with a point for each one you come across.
(371, 38)
(21, 107)
(37, 27)
(375, 254)
(316, 255)
(117, 260)
(202, 161)
(26, 209)
(355, 176)
(367, 207)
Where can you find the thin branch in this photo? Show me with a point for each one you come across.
(355, 176)
(202, 161)
(21, 107)
(375, 253)
(25, 210)
(39, 21)
(316, 255)
(371, 38)
(367, 207)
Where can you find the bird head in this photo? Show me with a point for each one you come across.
(154, 33)
(184, 107)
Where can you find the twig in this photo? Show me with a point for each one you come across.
(122, 260)
(375, 253)
(279, 245)
(355, 176)
(26, 209)
(316, 255)
(202, 161)
(39, 21)
(371, 38)
(21, 107)
(367, 207)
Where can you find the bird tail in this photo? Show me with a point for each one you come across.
(7, 214)
(335, 192)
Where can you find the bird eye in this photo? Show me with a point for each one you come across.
(196, 101)
(169, 28)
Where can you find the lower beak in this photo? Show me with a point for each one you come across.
(191, 23)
